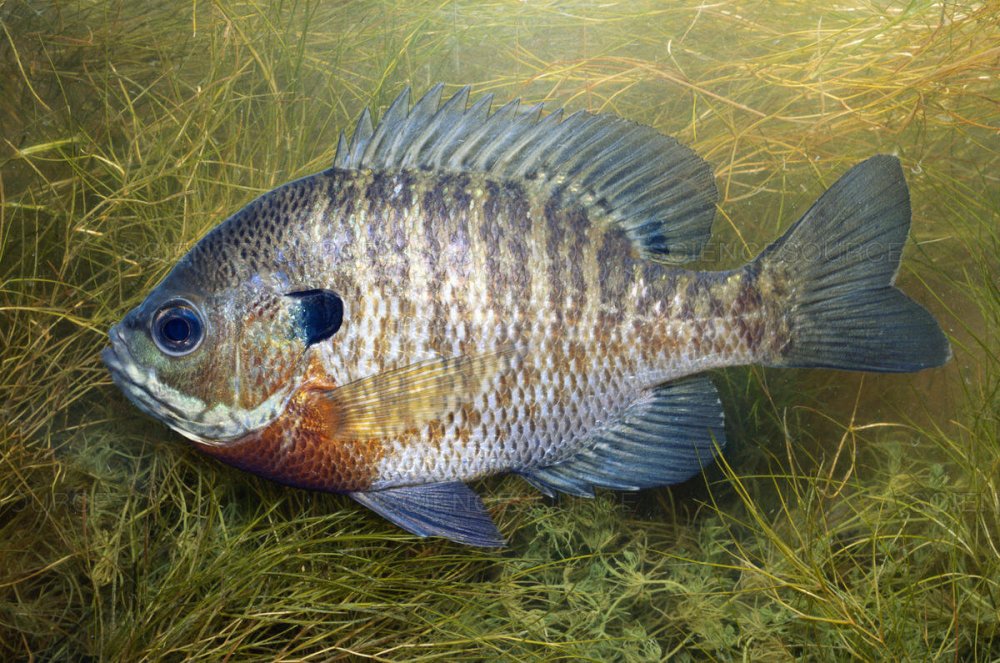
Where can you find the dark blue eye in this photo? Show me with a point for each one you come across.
(177, 328)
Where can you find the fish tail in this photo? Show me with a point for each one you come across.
(836, 268)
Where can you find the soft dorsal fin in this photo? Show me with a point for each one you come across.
(659, 191)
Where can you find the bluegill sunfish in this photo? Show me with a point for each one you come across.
(467, 292)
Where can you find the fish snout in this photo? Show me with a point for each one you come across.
(110, 355)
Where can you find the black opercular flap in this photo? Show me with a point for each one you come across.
(320, 314)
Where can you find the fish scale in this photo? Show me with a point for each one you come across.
(468, 292)
(555, 242)
(559, 419)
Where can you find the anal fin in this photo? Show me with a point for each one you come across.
(451, 510)
(665, 437)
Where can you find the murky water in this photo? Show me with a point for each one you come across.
(131, 129)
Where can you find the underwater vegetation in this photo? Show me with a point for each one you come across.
(851, 517)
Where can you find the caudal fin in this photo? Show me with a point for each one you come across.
(840, 261)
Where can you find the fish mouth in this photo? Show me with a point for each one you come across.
(213, 425)
(124, 370)
(148, 394)
(113, 354)
(135, 383)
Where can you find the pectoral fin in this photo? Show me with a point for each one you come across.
(451, 510)
(402, 399)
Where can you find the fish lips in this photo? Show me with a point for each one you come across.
(138, 385)
(127, 375)
(113, 355)
(207, 426)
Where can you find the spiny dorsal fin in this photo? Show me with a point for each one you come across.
(659, 191)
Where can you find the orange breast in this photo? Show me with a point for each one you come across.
(299, 447)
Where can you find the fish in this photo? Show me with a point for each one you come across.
(470, 291)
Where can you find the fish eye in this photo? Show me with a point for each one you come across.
(177, 328)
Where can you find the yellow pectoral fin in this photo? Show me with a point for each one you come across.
(412, 396)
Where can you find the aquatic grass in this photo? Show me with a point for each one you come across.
(853, 516)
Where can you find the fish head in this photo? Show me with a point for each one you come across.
(213, 363)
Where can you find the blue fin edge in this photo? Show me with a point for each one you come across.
(451, 510)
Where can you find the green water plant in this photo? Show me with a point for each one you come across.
(852, 517)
